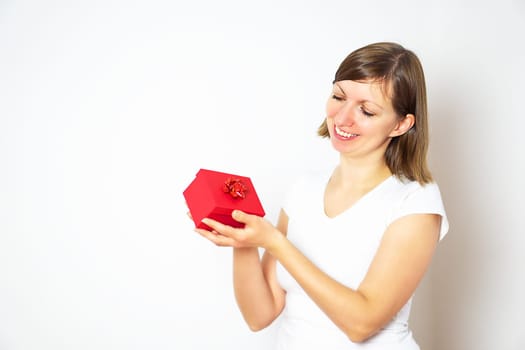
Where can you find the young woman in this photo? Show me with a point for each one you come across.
(350, 247)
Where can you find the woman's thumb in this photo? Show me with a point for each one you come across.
(240, 216)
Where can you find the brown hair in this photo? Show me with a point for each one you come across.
(401, 74)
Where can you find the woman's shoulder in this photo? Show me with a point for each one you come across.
(409, 187)
(416, 198)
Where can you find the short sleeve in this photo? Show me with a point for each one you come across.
(423, 200)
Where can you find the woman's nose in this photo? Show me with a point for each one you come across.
(345, 115)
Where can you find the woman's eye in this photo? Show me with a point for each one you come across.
(337, 98)
(365, 112)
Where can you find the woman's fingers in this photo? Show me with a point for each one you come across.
(216, 238)
(253, 234)
(220, 234)
(224, 230)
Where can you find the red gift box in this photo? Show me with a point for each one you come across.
(215, 195)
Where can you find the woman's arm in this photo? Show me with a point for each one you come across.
(400, 262)
(397, 268)
(257, 292)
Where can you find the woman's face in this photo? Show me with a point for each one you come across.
(361, 120)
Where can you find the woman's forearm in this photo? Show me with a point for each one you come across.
(403, 256)
(252, 290)
(331, 296)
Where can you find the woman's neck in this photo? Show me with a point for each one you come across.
(360, 174)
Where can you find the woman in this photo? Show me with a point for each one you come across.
(350, 247)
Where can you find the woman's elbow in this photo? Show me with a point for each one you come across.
(257, 326)
(359, 334)
(258, 323)
(356, 337)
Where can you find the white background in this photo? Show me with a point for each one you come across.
(108, 108)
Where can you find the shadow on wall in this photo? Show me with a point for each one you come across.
(457, 273)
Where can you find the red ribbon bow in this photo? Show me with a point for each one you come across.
(235, 188)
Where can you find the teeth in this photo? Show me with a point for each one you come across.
(343, 133)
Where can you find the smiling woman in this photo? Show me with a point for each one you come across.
(358, 110)
(399, 76)
(351, 246)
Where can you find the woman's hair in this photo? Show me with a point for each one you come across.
(401, 75)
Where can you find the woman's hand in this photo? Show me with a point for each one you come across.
(257, 232)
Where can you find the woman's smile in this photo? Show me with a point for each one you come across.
(343, 134)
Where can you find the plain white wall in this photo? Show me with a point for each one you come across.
(477, 91)
(108, 108)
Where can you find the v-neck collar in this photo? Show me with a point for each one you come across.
(357, 203)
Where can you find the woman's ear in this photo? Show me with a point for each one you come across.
(403, 125)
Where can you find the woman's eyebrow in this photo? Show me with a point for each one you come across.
(340, 88)
(372, 103)
(360, 101)
(363, 101)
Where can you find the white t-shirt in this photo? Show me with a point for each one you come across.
(343, 247)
